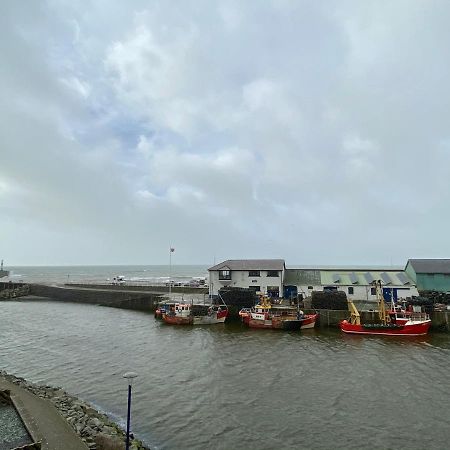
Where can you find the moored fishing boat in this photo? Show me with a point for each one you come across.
(195, 314)
(395, 322)
(266, 315)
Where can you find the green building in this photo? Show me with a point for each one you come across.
(430, 274)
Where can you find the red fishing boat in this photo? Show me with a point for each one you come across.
(393, 322)
(195, 314)
(266, 315)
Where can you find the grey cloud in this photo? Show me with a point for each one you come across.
(315, 132)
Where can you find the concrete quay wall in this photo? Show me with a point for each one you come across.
(141, 301)
(127, 287)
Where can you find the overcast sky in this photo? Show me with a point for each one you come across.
(314, 131)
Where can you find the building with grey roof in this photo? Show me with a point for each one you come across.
(357, 283)
(429, 274)
(263, 275)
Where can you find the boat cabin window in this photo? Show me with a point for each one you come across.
(224, 275)
(350, 290)
(373, 291)
(272, 273)
(254, 273)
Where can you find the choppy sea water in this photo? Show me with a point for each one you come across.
(227, 387)
(100, 274)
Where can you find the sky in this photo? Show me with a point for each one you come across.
(313, 131)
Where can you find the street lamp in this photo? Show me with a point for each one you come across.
(129, 376)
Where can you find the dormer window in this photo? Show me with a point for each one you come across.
(225, 274)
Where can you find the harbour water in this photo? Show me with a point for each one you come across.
(225, 386)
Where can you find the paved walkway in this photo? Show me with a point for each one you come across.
(43, 420)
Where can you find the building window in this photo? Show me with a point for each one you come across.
(350, 290)
(255, 288)
(310, 287)
(254, 273)
(373, 291)
(272, 273)
(273, 291)
(224, 275)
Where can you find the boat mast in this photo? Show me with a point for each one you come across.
(355, 318)
(381, 305)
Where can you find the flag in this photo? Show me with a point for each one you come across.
(172, 249)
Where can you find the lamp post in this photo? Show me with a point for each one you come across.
(129, 377)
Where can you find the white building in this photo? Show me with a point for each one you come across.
(356, 283)
(262, 275)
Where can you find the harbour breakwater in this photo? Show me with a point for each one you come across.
(95, 429)
(118, 298)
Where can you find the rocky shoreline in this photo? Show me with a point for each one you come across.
(94, 428)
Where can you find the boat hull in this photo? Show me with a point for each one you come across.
(195, 320)
(208, 320)
(292, 324)
(309, 321)
(177, 320)
(413, 329)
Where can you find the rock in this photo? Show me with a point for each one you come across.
(95, 423)
(109, 430)
(88, 431)
(71, 420)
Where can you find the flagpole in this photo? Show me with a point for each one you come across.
(170, 270)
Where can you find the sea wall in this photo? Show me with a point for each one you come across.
(141, 301)
(130, 287)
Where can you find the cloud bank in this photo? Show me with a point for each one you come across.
(316, 132)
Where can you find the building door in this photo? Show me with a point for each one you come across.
(290, 292)
(390, 294)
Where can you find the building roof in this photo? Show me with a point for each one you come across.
(250, 264)
(363, 278)
(302, 276)
(430, 265)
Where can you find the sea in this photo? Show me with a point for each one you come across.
(151, 274)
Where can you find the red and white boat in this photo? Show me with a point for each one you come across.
(277, 317)
(194, 314)
(392, 323)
